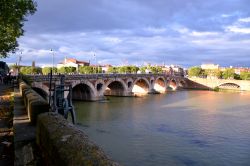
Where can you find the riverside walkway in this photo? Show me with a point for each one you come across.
(17, 136)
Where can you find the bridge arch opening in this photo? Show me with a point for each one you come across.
(160, 85)
(182, 84)
(82, 92)
(172, 85)
(130, 84)
(141, 86)
(99, 86)
(115, 88)
(41, 92)
(231, 86)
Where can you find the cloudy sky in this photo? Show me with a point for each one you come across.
(120, 32)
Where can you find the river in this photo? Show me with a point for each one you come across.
(182, 128)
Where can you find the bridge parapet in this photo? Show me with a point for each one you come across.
(38, 78)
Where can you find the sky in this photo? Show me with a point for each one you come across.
(138, 32)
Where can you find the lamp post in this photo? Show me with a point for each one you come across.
(52, 61)
(18, 63)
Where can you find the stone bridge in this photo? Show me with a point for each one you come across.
(232, 84)
(95, 86)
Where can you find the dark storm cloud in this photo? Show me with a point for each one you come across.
(57, 15)
(186, 32)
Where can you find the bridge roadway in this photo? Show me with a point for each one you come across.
(94, 87)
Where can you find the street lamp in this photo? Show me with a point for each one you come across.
(18, 63)
(52, 61)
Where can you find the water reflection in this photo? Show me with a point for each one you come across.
(177, 128)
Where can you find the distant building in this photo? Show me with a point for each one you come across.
(238, 70)
(166, 69)
(177, 70)
(105, 68)
(71, 62)
(209, 66)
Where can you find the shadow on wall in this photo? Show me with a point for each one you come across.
(194, 85)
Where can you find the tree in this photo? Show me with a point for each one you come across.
(195, 71)
(245, 75)
(66, 70)
(46, 70)
(134, 69)
(30, 70)
(228, 74)
(213, 73)
(112, 70)
(86, 69)
(143, 69)
(12, 17)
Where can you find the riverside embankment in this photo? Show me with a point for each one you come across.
(57, 140)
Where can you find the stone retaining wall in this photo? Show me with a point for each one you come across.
(33, 102)
(63, 144)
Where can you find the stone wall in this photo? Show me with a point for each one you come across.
(190, 84)
(212, 83)
(33, 102)
(63, 144)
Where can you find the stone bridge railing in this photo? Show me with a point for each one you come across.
(95, 76)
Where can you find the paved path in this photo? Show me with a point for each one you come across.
(6, 126)
(16, 148)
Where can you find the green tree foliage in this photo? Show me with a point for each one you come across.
(12, 17)
(66, 70)
(36, 70)
(112, 70)
(143, 69)
(213, 73)
(195, 71)
(245, 75)
(86, 69)
(46, 70)
(155, 69)
(30, 70)
(123, 69)
(228, 74)
(89, 70)
(134, 69)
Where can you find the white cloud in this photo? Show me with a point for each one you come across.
(155, 30)
(226, 15)
(237, 29)
(203, 34)
(240, 26)
(246, 20)
(113, 40)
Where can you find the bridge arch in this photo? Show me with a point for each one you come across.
(160, 84)
(115, 87)
(99, 85)
(182, 84)
(141, 86)
(229, 85)
(129, 83)
(172, 84)
(83, 90)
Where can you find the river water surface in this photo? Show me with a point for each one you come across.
(183, 128)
